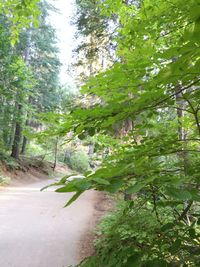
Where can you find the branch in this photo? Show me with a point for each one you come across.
(185, 211)
(155, 204)
(175, 151)
(190, 139)
(194, 111)
(172, 95)
(174, 209)
(176, 93)
(177, 170)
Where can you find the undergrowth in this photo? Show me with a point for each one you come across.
(134, 237)
(9, 162)
(77, 160)
(4, 180)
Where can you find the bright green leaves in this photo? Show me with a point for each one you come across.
(109, 7)
(178, 193)
(183, 194)
(132, 237)
(20, 14)
(74, 198)
(77, 185)
(195, 10)
(100, 181)
(135, 188)
(155, 83)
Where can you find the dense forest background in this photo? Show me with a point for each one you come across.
(133, 130)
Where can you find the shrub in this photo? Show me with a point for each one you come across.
(133, 236)
(77, 160)
(4, 180)
(11, 163)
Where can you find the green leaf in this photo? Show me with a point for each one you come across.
(91, 131)
(83, 185)
(178, 193)
(115, 186)
(64, 179)
(135, 188)
(134, 260)
(195, 194)
(167, 226)
(66, 189)
(76, 184)
(175, 247)
(73, 198)
(101, 181)
(192, 232)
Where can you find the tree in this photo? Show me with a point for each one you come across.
(16, 83)
(22, 84)
(21, 14)
(94, 51)
(30, 71)
(158, 67)
(41, 54)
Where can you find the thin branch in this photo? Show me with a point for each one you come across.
(190, 139)
(185, 211)
(173, 30)
(174, 209)
(177, 170)
(177, 92)
(195, 112)
(175, 151)
(170, 96)
(183, 109)
(155, 204)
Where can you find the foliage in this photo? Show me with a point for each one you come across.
(155, 83)
(4, 180)
(77, 160)
(29, 81)
(93, 52)
(21, 14)
(132, 236)
(9, 162)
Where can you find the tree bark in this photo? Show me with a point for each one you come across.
(26, 56)
(24, 143)
(17, 137)
(25, 140)
(182, 134)
(55, 154)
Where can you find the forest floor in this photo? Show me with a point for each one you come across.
(36, 231)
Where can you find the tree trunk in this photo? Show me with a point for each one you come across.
(182, 134)
(26, 56)
(17, 137)
(24, 142)
(55, 154)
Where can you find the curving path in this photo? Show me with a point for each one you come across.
(35, 229)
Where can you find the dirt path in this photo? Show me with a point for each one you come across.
(35, 230)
